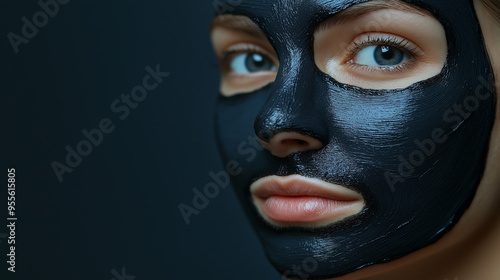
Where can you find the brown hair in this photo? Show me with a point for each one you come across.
(493, 7)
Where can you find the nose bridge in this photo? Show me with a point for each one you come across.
(291, 105)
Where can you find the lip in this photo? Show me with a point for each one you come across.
(300, 201)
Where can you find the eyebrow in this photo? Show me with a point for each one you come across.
(237, 23)
(357, 10)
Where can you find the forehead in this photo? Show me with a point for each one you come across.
(284, 15)
(280, 16)
(351, 13)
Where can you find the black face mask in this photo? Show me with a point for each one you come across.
(416, 154)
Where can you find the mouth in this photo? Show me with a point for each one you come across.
(300, 201)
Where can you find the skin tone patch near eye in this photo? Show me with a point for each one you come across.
(247, 60)
(381, 49)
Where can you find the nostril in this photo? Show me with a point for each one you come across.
(295, 142)
(285, 143)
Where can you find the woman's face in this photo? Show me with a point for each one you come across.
(361, 128)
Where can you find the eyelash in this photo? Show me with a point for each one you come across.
(392, 41)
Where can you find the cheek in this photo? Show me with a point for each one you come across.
(378, 128)
(369, 119)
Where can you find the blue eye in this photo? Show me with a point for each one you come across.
(380, 55)
(251, 62)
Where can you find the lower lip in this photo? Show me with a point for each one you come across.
(304, 208)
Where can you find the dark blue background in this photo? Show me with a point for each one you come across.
(119, 207)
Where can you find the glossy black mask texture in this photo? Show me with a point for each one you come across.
(366, 134)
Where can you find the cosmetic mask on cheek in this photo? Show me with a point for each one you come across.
(415, 154)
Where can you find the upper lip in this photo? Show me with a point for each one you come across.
(296, 185)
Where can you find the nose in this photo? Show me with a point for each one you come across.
(283, 144)
(294, 116)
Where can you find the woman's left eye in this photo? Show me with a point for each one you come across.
(380, 55)
(246, 63)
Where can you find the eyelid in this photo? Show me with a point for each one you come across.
(371, 39)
